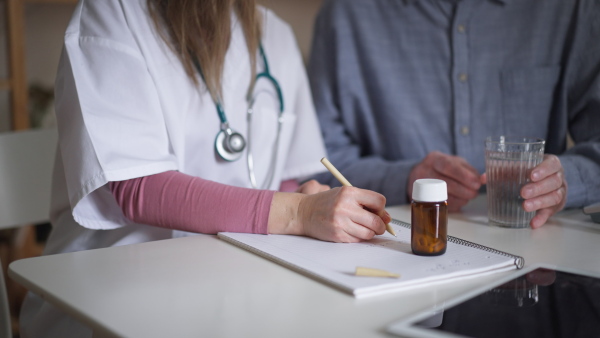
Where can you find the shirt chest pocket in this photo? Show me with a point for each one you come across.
(527, 99)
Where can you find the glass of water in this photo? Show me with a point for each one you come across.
(508, 164)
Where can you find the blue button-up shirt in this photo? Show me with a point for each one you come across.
(395, 80)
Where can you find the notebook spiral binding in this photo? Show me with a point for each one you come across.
(519, 261)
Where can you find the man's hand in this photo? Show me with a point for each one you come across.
(462, 179)
(547, 191)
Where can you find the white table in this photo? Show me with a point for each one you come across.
(202, 286)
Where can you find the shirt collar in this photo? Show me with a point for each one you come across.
(504, 2)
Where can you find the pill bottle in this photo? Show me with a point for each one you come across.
(429, 217)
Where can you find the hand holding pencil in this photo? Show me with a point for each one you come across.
(346, 183)
(347, 214)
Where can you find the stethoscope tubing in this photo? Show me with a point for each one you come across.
(266, 73)
(226, 130)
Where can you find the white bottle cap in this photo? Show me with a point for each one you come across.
(429, 190)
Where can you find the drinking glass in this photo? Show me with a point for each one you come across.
(508, 164)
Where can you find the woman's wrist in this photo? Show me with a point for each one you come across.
(284, 216)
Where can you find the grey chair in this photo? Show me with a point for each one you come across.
(26, 162)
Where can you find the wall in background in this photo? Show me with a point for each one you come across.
(45, 25)
(300, 14)
(4, 113)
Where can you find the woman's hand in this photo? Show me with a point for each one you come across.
(312, 187)
(345, 214)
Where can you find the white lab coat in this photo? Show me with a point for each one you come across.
(125, 109)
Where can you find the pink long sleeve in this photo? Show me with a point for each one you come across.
(178, 201)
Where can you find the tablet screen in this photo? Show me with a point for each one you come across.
(541, 303)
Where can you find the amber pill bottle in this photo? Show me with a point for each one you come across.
(429, 217)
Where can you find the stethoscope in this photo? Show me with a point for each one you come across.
(230, 144)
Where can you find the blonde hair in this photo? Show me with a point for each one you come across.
(201, 29)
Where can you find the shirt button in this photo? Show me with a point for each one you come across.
(464, 130)
(461, 28)
(462, 77)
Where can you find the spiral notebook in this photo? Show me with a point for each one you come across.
(335, 263)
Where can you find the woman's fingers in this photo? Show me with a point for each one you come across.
(359, 232)
(345, 214)
(312, 187)
(369, 208)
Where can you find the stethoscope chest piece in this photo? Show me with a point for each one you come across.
(229, 144)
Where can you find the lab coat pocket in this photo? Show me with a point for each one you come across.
(527, 99)
(269, 152)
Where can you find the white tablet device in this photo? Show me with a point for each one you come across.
(539, 301)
